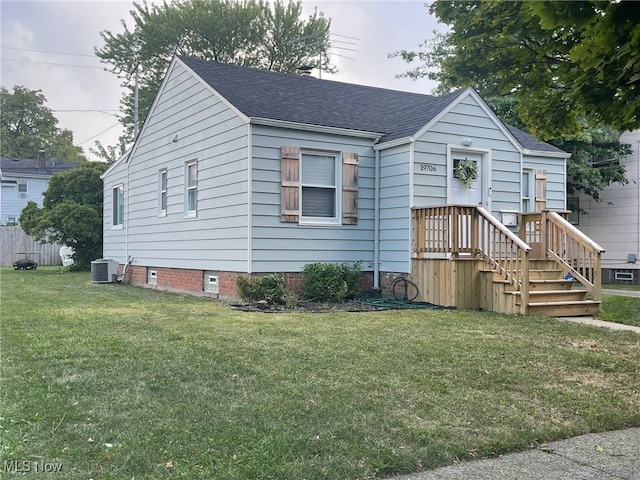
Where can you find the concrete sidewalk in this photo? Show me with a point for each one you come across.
(624, 293)
(610, 455)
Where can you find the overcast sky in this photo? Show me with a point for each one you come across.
(48, 45)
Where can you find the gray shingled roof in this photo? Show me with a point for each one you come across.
(18, 166)
(308, 100)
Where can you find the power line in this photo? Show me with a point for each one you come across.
(48, 51)
(54, 64)
(106, 112)
(100, 133)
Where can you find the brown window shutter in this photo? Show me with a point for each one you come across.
(349, 188)
(541, 190)
(290, 183)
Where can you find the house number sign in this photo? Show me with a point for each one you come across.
(428, 168)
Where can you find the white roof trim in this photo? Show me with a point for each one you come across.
(315, 128)
(471, 92)
(122, 158)
(543, 153)
(231, 106)
(394, 143)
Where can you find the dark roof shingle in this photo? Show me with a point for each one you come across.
(29, 166)
(307, 100)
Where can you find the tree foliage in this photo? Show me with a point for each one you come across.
(71, 212)
(250, 33)
(110, 153)
(565, 62)
(520, 56)
(27, 125)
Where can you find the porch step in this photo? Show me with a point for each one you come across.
(550, 295)
(546, 285)
(565, 309)
(553, 296)
(537, 275)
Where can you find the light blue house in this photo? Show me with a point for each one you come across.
(245, 171)
(23, 180)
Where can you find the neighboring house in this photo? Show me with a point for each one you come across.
(244, 171)
(23, 180)
(614, 221)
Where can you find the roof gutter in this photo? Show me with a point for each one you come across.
(542, 153)
(394, 143)
(268, 122)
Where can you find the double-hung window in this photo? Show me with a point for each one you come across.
(319, 187)
(117, 206)
(191, 188)
(319, 201)
(162, 192)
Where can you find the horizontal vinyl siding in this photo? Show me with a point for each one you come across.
(468, 119)
(288, 247)
(114, 240)
(206, 131)
(395, 210)
(13, 203)
(556, 180)
(614, 221)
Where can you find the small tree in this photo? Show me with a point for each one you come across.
(71, 213)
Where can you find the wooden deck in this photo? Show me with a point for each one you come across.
(463, 257)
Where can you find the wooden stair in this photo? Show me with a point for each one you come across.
(550, 295)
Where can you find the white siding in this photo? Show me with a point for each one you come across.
(188, 122)
(114, 241)
(288, 247)
(614, 221)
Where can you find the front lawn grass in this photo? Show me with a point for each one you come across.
(119, 382)
(620, 309)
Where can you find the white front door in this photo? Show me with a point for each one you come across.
(460, 193)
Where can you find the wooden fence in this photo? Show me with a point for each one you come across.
(15, 244)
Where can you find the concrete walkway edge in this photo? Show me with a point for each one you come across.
(609, 455)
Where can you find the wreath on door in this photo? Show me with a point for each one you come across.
(466, 171)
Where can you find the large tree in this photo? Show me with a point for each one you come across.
(548, 68)
(71, 212)
(251, 33)
(27, 125)
(559, 59)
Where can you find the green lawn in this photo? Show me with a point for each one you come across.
(621, 309)
(118, 382)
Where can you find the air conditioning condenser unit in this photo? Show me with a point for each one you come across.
(104, 270)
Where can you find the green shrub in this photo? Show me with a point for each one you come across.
(272, 288)
(331, 281)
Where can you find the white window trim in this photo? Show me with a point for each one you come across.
(26, 186)
(532, 190)
(117, 226)
(162, 172)
(323, 221)
(190, 213)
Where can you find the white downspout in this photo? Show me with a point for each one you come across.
(249, 198)
(376, 222)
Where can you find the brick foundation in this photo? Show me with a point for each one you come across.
(608, 276)
(192, 281)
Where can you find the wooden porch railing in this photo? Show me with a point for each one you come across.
(471, 231)
(562, 242)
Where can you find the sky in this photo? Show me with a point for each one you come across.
(48, 45)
